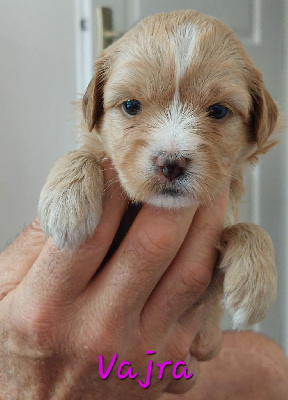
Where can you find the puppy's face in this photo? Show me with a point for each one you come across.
(179, 107)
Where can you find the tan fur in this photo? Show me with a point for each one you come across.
(146, 65)
(76, 179)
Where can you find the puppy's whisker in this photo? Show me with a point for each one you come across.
(108, 169)
(112, 180)
(110, 183)
(204, 193)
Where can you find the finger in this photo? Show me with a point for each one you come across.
(147, 250)
(206, 350)
(66, 273)
(17, 259)
(191, 271)
(181, 386)
(206, 318)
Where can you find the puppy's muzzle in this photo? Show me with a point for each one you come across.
(171, 167)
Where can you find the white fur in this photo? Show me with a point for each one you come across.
(174, 133)
(171, 130)
(172, 203)
(183, 43)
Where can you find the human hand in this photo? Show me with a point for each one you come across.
(59, 311)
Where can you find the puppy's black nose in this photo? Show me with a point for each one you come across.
(171, 168)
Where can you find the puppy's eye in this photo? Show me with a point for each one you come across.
(217, 111)
(131, 107)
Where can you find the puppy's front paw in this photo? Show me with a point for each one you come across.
(250, 283)
(70, 203)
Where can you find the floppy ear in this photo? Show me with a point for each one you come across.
(92, 103)
(264, 114)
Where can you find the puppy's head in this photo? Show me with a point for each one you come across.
(180, 107)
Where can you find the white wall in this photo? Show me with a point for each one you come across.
(37, 86)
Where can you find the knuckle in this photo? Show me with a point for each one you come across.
(26, 346)
(205, 348)
(180, 348)
(92, 340)
(33, 327)
(195, 279)
(156, 242)
(6, 288)
(31, 231)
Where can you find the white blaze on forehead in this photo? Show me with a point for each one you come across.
(183, 42)
(176, 129)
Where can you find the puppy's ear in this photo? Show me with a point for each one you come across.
(92, 103)
(264, 113)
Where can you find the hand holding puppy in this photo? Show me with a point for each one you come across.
(59, 312)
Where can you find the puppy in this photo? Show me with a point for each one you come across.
(179, 108)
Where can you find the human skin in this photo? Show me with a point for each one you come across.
(249, 366)
(57, 316)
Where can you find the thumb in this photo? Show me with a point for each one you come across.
(19, 256)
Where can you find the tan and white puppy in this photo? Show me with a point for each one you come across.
(179, 107)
